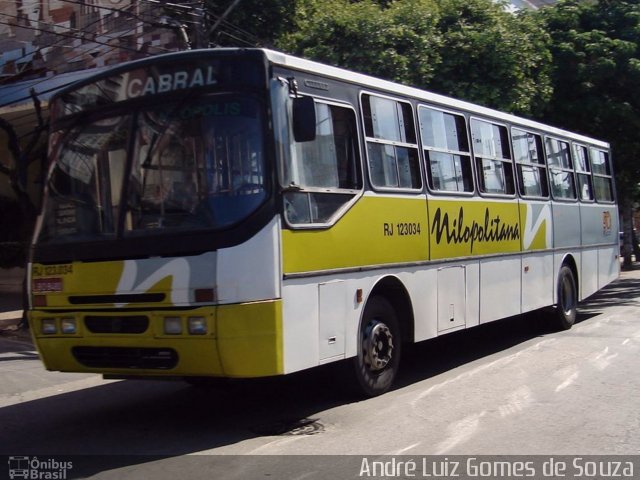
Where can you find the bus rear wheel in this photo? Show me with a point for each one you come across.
(379, 347)
(566, 308)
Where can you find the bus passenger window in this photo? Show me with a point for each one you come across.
(602, 179)
(585, 190)
(324, 174)
(493, 157)
(446, 149)
(531, 168)
(391, 143)
(560, 169)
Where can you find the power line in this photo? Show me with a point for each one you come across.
(52, 45)
(111, 49)
(75, 37)
(123, 10)
(222, 32)
(251, 39)
(83, 37)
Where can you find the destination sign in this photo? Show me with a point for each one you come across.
(184, 74)
(167, 82)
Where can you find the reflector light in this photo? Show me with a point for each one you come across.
(39, 300)
(205, 295)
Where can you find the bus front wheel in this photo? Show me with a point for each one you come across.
(566, 308)
(379, 346)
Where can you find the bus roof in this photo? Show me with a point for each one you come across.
(310, 66)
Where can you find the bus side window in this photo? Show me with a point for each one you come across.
(446, 150)
(602, 178)
(560, 169)
(583, 173)
(531, 168)
(493, 157)
(324, 174)
(391, 143)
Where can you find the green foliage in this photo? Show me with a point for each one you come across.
(575, 65)
(493, 57)
(252, 22)
(398, 42)
(470, 49)
(596, 61)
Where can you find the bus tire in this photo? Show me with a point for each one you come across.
(566, 308)
(379, 347)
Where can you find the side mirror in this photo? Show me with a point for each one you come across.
(304, 119)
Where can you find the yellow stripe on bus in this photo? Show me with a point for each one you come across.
(384, 230)
(462, 228)
(376, 230)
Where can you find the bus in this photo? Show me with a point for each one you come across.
(247, 213)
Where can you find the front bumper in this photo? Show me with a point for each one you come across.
(242, 340)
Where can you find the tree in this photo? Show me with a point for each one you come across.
(596, 72)
(470, 49)
(493, 57)
(398, 43)
(251, 22)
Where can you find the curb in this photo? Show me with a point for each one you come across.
(10, 328)
(10, 321)
(12, 280)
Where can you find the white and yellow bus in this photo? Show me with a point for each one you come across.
(246, 213)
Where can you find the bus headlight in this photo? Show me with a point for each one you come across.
(197, 325)
(68, 325)
(49, 326)
(172, 325)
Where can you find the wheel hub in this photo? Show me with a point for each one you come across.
(377, 345)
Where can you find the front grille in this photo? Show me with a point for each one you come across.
(121, 324)
(126, 357)
(123, 298)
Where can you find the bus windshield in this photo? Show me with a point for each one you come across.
(189, 165)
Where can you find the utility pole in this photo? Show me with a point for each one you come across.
(200, 38)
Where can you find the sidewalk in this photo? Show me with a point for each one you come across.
(11, 300)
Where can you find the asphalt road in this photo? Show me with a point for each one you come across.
(513, 387)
